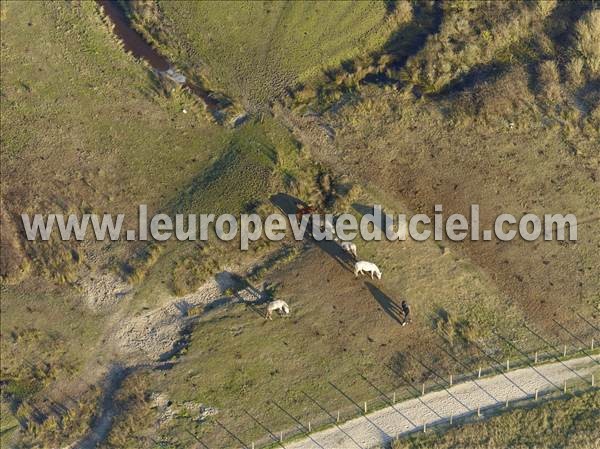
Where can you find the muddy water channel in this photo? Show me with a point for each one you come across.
(141, 49)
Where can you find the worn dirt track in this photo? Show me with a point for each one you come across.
(382, 426)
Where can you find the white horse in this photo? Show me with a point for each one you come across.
(362, 267)
(279, 306)
(350, 248)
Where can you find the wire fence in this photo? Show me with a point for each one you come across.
(487, 363)
(319, 413)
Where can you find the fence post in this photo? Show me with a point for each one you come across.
(450, 379)
(451, 418)
(535, 358)
(424, 427)
(423, 390)
(565, 351)
(565, 388)
(338, 416)
(253, 445)
(592, 380)
(365, 407)
(479, 411)
(394, 398)
(507, 401)
(536, 394)
(507, 364)
(479, 372)
(592, 344)
(280, 437)
(309, 426)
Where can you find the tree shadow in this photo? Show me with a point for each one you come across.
(288, 204)
(391, 307)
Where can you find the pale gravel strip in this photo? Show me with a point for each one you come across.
(382, 426)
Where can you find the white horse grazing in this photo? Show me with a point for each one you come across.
(279, 306)
(362, 267)
(350, 248)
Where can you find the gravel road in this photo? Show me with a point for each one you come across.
(380, 427)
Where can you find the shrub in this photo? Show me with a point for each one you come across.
(471, 37)
(455, 329)
(588, 40)
(545, 7)
(135, 269)
(549, 81)
(189, 273)
(575, 70)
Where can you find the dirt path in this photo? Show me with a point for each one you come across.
(380, 427)
(103, 422)
(143, 341)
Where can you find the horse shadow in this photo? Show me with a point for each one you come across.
(363, 209)
(391, 307)
(288, 205)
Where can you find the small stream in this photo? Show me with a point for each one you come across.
(141, 49)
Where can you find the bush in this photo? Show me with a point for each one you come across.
(575, 70)
(189, 273)
(588, 41)
(454, 329)
(471, 36)
(549, 81)
(135, 269)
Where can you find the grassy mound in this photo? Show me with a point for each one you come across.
(254, 51)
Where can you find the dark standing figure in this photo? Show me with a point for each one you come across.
(406, 312)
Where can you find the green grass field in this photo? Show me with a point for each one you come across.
(86, 128)
(99, 136)
(255, 51)
(122, 137)
(564, 423)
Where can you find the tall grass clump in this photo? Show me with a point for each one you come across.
(470, 36)
(588, 41)
(549, 81)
